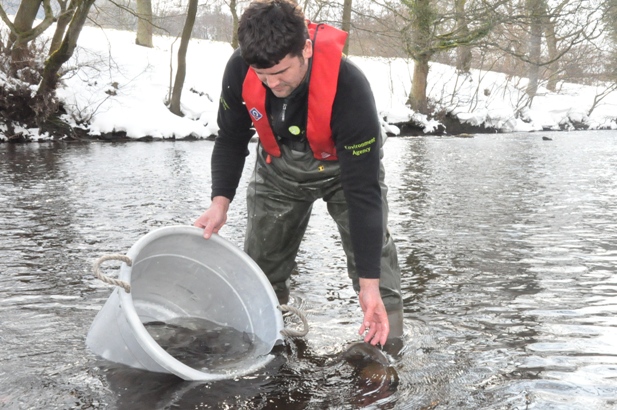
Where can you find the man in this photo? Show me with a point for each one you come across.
(320, 137)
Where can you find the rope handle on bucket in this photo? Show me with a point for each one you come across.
(291, 332)
(96, 269)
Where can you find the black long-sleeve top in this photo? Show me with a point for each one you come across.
(355, 131)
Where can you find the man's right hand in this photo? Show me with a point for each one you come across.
(215, 216)
(375, 323)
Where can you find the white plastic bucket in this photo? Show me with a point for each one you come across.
(176, 273)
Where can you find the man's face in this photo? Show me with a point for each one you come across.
(288, 74)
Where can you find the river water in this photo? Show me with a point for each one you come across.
(507, 243)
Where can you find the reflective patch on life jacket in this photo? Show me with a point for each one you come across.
(255, 114)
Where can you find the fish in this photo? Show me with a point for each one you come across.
(364, 353)
(371, 364)
(202, 344)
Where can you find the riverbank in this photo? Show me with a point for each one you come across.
(118, 91)
(447, 125)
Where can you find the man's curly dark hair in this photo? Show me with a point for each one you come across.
(269, 30)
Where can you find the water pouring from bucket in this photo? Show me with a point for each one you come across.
(202, 310)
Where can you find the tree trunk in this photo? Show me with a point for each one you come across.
(234, 23)
(534, 8)
(24, 20)
(63, 21)
(421, 52)
(174, 105)
(463, 52)
(551, 43)
(64, 52)
(346, 23)
(417, 100)
(610, 17)
(144, 23)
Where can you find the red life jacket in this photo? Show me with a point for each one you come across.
(328, 45)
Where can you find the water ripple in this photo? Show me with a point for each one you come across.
(507, 247)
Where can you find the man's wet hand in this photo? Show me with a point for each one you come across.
(375, 326)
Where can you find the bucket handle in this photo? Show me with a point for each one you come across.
(96, 269)
(292, 332)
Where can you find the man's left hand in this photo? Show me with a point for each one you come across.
(375, 322)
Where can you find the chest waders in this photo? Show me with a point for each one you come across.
(280, 199)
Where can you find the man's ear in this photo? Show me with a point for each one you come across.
(307, 52)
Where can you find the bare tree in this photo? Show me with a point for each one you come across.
(550, 33)
(214, 23)
(233, 5)
(174, 104)
(118, 14)
(24, 19)
(25, 63)
(463, 52)
(427, 30)
(372, 36)
(601, 95)
(419, 48)
(66, 13)
(60, 56)
(535, 9)
(346, 23)
(610, 18)
(547, 41)
(323, 11)
(144, 23)
(22, 30)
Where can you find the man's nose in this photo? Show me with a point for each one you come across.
(272, 81)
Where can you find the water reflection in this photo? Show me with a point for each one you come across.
(509, 232)
(507, 244)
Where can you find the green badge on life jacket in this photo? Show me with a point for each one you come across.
(294, 130)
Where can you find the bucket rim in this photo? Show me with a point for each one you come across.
(164, 359)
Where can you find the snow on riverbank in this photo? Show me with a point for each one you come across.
(116, 86)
